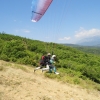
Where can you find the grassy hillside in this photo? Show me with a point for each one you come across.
(19, 82)
(74, 65)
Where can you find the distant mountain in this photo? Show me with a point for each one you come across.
(72, 45)
(93, 41)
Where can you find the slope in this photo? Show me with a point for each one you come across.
(18, 82)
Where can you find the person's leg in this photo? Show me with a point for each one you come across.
(54, 69)
(45, 69)
(37, 68)
(50, 70)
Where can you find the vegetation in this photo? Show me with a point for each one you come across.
(72, 63)
(88, 49)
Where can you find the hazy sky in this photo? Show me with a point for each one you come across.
(66, 21)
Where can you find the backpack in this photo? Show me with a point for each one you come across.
(44, 61)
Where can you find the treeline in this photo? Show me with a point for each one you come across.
(69, 60)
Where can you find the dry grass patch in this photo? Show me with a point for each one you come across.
(1, 68)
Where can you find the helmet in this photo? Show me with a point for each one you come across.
(53, 56)
(48, 54)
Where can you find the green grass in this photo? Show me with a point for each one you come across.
(68, 76)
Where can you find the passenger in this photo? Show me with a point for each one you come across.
(45, 60)
(48, 63)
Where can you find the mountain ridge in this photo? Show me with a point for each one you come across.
(91, 41)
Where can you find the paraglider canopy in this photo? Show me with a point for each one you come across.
(39, 7)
